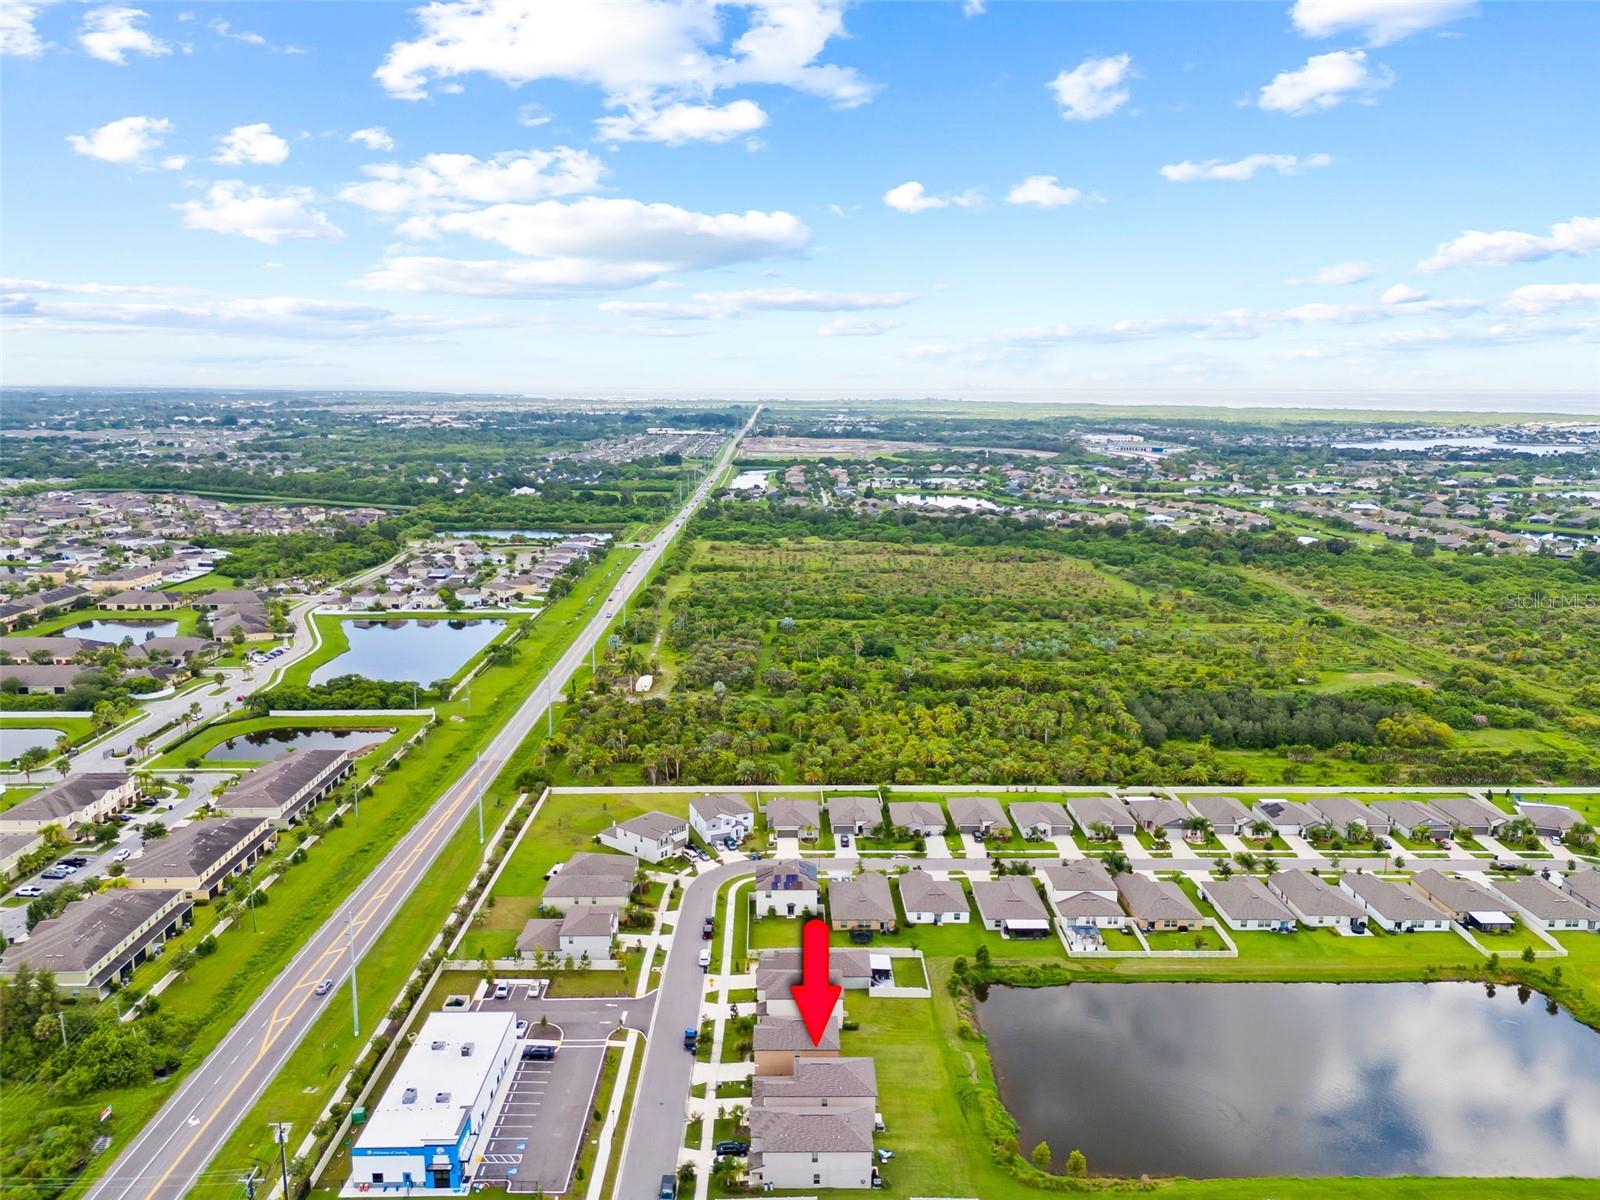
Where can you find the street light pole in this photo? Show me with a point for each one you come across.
(280, 1132)
(355, 1003)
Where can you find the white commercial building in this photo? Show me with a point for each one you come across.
(423, 1135)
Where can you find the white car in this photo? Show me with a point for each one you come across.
(122, 855)
(28, 891)
(705, 959)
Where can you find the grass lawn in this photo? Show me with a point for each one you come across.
(776, 933)
(1195, 939)
(908, 972)
(16, 795)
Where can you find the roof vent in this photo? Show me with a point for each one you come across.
(409, 1096)
(466, 1049)
(437, 1046)
(441, 1098)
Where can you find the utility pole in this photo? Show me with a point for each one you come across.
(480, 788)
(62, 1017)
(249, 1182)
(355, 1003)
(280, 1134)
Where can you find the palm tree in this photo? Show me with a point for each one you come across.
(1261, 828)
(1116, 862)
(1197, 830)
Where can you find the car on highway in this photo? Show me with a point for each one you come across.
(28, 891)
(705, 959)
(323, 988)
(122, 855)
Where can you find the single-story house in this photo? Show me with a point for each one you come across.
(653, 836)
(1244, 904)
(779, 1041)
(41, 680)
(978, 816)
(1225, 813)
(862, 902)
(1550, 820)
(924, 817)
(810, 1150)
(1342, 812)
(1157, 905)
(1410, 815)
(1285, 816)
(854, 814)
(99, 939)
(1471, 814)
(819, 1083)
(1092, 811)
(788, 817)
(1547, 906)
(1314, 903)
(930, 901)
(1151, 813)
(1584, 884)
(721, 815)
(142, 601)
(1010, 905)
(1038, 820)
(590, 880)
(60, 650)
(1464, 900)
(1393, 908)
(787, 888)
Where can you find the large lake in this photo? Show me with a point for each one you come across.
(264, 745)
(414, 650)
(15, 741)
(115, 631)
(1217, 1080)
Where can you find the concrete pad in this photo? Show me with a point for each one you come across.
(1066, 846)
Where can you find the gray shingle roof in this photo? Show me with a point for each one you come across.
(1246, 898)
(777, 1131)
(863, 898)
(1008, 898)
(920, 892)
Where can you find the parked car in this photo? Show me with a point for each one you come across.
(708, 927)
(669, 1188)
(844, 840)
(75, 860)
(737, 1149)
(324, 987)
(502, 990)
(30, 890)
(522, 1029)
(705, 959)
(538, 1052)
(730, 843)
(54, 873)
(122, 855)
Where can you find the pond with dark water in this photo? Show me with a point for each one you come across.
(414, 650)
(1215, 1080)
(264, 745)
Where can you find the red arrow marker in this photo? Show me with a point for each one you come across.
(814, 995)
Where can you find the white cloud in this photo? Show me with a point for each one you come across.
(112, 33)
(273, 316)
(14, 285)
(912, 197)
(1402, 293)
(586, 245)
(1337, 275)
(1548, 297)
(1475, 248)
(222, 29)
(231, 206)
(856, 327)
(1042, 191)
(1325, 81)
(251, 144)
(374, 137)
(1094, 88)
(127, 142)
(1333, 314)
(17, 34)
(676, 124)
(645, 56)
(1244, 168)
(710, 305)
(457, 181)
(533, 115)
(1380, 21)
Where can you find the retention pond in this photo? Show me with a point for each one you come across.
(1215, 1080)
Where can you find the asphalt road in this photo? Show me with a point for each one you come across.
(176, 1145)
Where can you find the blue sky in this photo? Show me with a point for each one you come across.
(805, 198)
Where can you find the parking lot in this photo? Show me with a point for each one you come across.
(540, 1126)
